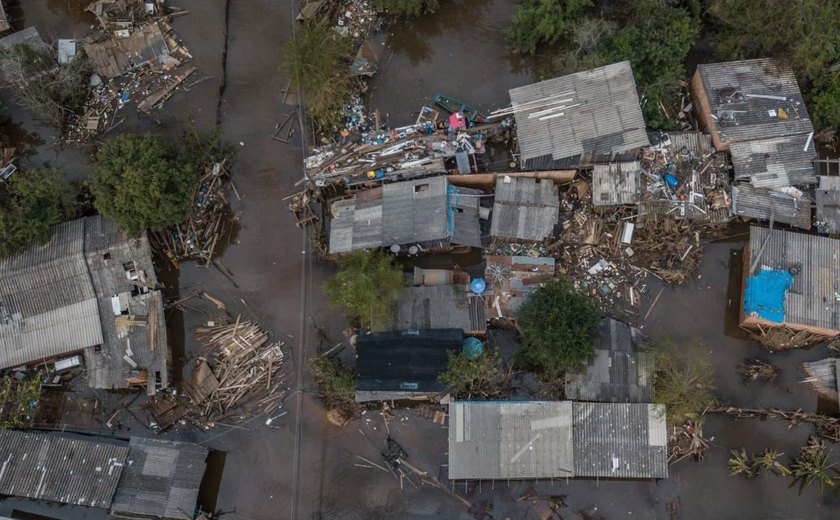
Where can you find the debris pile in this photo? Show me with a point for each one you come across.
(683, 177)
(136, 59)
(687, 441)
(752, 370)
(209, 219)
(785, 338)
(826, 427)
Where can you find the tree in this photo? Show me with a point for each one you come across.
(317, 61)
(543, 22)
(368, 285)
(43, 86)
(484, 376)
(558, 325)
(30, 202)
(683, 378)
(337, 383)
(408, 8)
(140, 182)
(656, 43)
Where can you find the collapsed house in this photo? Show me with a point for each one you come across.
(141, 478)
(29, 37)
(791, 279)
(524, 210)
(520, 440)
(561, 121)
(827, 195)
(403, 364)
(755, 110)
(91, 289)
(438, 307)
(408, 217)
(510, 282)
(619, 373)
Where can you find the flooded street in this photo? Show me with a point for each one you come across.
(306, 465)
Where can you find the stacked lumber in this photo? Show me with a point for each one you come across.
(245, 366)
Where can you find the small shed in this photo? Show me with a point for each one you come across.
(524, 210)
(403, 364)
(616, 184)
(439, 307)
(791, 279)
(620, 373)
(828, 205)
(591, 112)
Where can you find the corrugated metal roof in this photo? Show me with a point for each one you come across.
(556, 439)
(408, 362)
(47, 300)
(733, 88)
(616, 184)
(516, 440)
(618, 374)
(601, 114)
(828, 205)
(29, 36)
(613, 440)
(439, 307)
(404, 213)
(698, 142)
(161, 479)
(814, 298)
(58, 469)
(524, 209)
(774, 163)
(759, 203)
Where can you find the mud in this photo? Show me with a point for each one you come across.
(304, 467)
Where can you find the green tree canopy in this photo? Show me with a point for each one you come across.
(30, 202)
(408, 7)
(141, 183)
(656, 42)
(683, 378)
(558, 325)
(544, 22)
(804, 33)
(317, 61)
(482, 377)
(368, 285)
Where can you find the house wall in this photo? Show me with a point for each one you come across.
(703, 111)
(487, 181)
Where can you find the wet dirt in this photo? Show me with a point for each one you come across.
(460, 52)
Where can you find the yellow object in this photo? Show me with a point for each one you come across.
(371, 174)
(782, 114)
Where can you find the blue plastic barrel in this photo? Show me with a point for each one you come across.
(671, 180)
(478, 286)
(473, 348)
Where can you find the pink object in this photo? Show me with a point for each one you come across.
(456, 121)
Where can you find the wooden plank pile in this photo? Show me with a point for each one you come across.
(245, 371)
(209, 220)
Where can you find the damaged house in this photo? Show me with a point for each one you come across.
(90, 290)
(510, 282)
(563, 122)
(407, 217)
(793, 280)
(754, 110)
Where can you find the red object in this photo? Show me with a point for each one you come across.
(456, 121)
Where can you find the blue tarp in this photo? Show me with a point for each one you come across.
(765, 294)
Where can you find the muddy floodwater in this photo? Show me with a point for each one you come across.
(305, 468)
